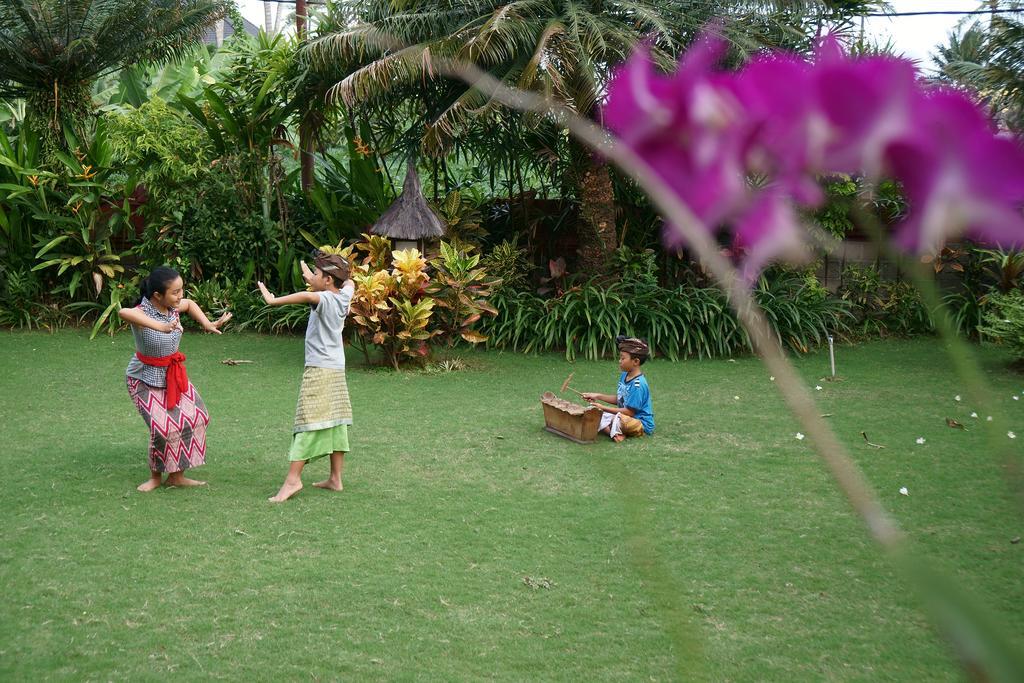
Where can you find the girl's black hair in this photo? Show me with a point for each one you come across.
(157, 282)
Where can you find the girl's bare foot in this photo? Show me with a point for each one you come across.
(149, 485)
(179, 479)
(329, 484)
(288, 489)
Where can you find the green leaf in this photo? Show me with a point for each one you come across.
(223, 113)
(51, 244)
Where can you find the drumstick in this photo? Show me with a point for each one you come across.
(565, 385)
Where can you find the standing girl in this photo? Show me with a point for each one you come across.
(323, 413)
(169, 404)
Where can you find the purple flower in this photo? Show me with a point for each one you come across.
(958, 176)
(684, 126)
(785, 121)
(769, 229)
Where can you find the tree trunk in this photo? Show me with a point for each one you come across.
(300, 19)
(268, 19)
(306, 155)
(48, 111)
(597, 235)
(306, 132)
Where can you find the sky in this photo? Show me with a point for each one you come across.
(915, 37)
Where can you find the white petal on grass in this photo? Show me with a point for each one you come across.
(920, 440)
(817, 387)
(736, 398)
(988, 419)
(1011, 435)
(772, 378)
(957, 397)
(974, 415)
(1016, 398)
(904, 491)
(799, 436)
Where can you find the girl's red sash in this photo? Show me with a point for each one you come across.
(177, 378)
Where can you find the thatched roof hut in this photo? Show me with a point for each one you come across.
(410, 218)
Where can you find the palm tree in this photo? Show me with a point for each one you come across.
(990, 62)
(563, 48)
(51, 51)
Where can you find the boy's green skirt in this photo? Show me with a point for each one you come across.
(313, 445)
(322, 415)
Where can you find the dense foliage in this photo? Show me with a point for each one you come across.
(195, 163)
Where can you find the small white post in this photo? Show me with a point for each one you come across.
(832, 356)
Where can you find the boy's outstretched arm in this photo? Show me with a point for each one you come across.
(196, 313)
(592, 396)
(311, 298)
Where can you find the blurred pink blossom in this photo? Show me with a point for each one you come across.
(785, 121)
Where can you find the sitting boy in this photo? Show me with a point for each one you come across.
(632, 414)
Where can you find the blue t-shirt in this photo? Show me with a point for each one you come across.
(636, 395)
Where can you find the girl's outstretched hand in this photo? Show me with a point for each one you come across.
(228, 315)
(267, 296)
(219, 323)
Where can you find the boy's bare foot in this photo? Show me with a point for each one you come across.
(288, 489)
(619, 438)
(149, 485)
(329, 484)
(182, 480)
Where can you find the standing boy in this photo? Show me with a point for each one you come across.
(323, 414)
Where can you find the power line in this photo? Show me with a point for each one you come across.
(934, 12)
(869, 14)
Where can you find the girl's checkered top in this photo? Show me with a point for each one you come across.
(152, 343)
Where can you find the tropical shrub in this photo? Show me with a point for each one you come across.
(834, 217)
(1004, 322)
(351, 193)
(881, 307)
(24, 194)
(167, 151)
(685, 321)
(389, 308)
(459, 288)
(64, 224)
(87, 207)
(219, 236)
(463, 218)
(23, 302)
(1004, 267)
(508, 264)
(636, 267)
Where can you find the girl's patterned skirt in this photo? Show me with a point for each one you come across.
(177, 438)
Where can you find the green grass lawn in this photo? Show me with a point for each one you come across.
(471, 544)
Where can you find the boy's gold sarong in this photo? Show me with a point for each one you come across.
(323, 400)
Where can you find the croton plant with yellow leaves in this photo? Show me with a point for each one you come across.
(401, 310)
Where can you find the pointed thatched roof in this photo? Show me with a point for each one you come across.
(410, 217)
